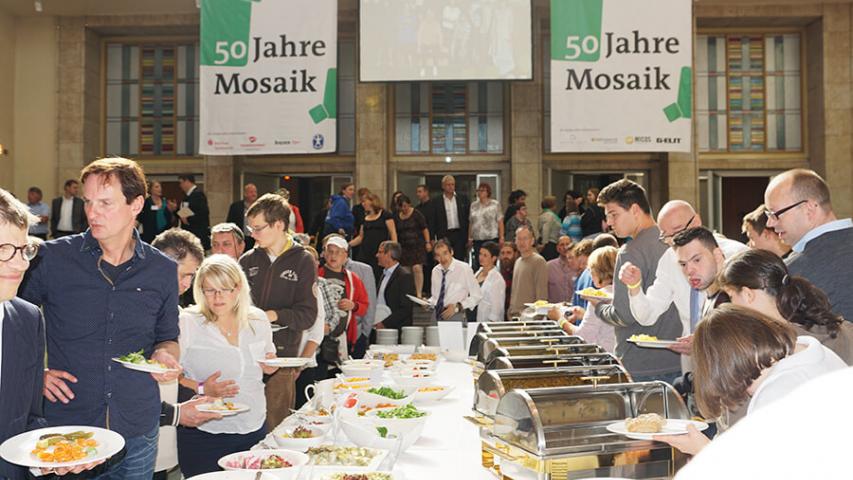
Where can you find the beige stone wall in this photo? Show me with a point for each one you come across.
(7, 101)
(35, 105)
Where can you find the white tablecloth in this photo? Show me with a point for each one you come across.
(449, 447)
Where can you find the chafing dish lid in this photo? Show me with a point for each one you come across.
(544, 361)
(546, 421)
(564, 346)
(545, 339)
(482, 337)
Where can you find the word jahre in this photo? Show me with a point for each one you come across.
(287, 48)
(637, 44)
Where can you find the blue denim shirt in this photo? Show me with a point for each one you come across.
(584, 281)
(90, 320)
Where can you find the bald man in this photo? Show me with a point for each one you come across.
(799, 209)
(670, 284)
(237, 212)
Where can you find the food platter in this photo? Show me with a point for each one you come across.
(672, 427)
(19, 449)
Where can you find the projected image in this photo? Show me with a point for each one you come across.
(445, 39)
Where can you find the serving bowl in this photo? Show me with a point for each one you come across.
(299, 444)
(235, 461)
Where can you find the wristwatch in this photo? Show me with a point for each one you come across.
(201, 388)
(459, 307)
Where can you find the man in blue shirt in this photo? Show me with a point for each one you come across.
(40, 209)
(105, 293)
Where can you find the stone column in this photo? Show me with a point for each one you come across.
(526, 143)
(371, 156)
(836, 166)
(218, 186)
(71, 95)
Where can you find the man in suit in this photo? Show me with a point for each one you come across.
(198, 223)
(237, 212)
(396, 282)
(66, 212)
(21, 335)
(451, 217)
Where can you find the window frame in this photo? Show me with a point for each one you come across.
(467, 115)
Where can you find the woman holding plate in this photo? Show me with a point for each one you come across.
(223, 341)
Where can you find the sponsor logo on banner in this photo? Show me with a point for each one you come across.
(621, 75)
(267, 71)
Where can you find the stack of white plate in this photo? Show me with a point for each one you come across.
(386, 336)
(412, 336)
(432, 337)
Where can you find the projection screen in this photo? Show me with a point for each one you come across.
(411, 40)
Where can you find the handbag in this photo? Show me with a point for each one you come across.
(330, 345)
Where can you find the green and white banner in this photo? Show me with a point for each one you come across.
(621, 75)
(268, 77)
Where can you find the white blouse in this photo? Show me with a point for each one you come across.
(491, 307)
(204, 350)
(795, 370)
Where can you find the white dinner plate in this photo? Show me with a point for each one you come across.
(17, 449)
(144, 367)
(278, 328)
(653, 343)
(672, 427)
(211, 408)
(286, 362)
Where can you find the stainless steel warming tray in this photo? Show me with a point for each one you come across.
(553, 361)
(479, 339)
(560, 433)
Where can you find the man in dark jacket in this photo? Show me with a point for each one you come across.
(396, 283)
(281, 275)
(451, 217)
(237, 212)
(67, 216)
(196, 215)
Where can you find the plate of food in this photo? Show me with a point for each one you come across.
(541, 307)
(647, 425)
(223, 407)
(282, 464)
(650, 341)
(595, 295)
(56, 447)
(277, 328)
(286, 362)
(357, 459)
(137, 361)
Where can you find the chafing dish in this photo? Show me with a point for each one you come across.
(493, 384)
(481, 338)
(517, 325)
(546, 361)
(551, 338)
(569, 345)
(560, 433)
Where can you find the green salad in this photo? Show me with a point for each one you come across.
(407, 411)
(388, 392)
(135, 357)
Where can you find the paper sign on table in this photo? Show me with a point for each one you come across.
(451, 337)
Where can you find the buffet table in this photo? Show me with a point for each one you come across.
(449, 446)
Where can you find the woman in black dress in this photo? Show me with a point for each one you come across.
(414, 238)
(378, 227)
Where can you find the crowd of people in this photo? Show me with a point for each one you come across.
(752, 322)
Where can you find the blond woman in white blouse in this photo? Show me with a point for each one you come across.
(223, 339)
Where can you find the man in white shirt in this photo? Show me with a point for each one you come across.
(66, 212)
(454, 288)
(670, 285)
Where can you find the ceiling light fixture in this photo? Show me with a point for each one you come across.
(38, 6)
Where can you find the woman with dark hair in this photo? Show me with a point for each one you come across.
(743, 356)
(592, 215)
(155, 217)
(413, 236)
(491, 306)
(393, 206)
(517, 218)
(516, 197)
(759, 279)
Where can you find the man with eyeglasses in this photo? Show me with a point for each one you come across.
(799, 209)
(106, 293)
(670, 285)
(281, 277)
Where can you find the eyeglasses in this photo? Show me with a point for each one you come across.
(253, 230)
(778, 213)
(666, 238)
(28, 251)
(213, 292)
